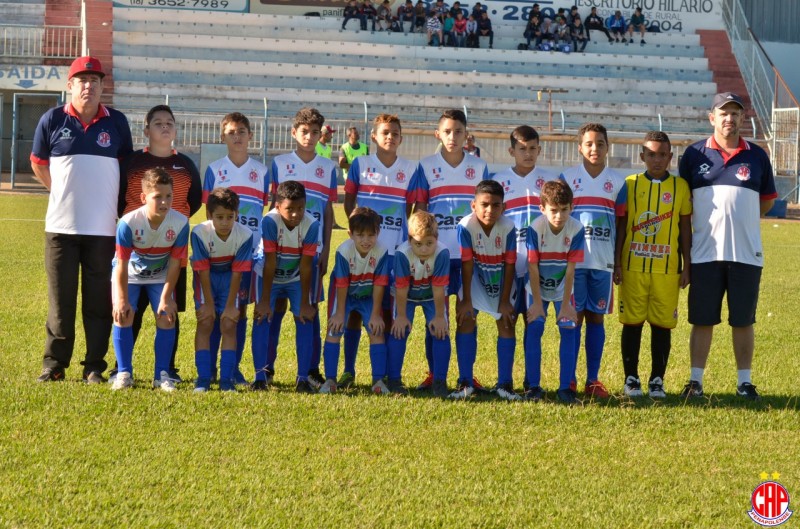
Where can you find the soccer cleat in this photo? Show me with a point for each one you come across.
(94, 377)
(596, 389)
(347, 380)
(259, 385)
(463, 392)
(123, 380)
(506, 392)
(534, 394)
(479, 388)
(227, 384)
(439, 389)
(304, 387)
(692, 389)
(656, 389)
(164, 383)
(397, 387)
(427, 383)
(633, 387)
(270, 375)
(51, 374)
(173, 375)
(573, 385)
(315, 379)
(567, 396)
(201, 385)
(238, 378)
(748, 391)
(328, 387)
(380, 388)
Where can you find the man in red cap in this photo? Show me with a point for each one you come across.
(732, 186)
(324, 148)
(75, 155)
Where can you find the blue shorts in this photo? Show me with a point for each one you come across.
(545, 305)
(455, 278)
(220, 288)
(519, 296)
(290, 291)
(362, 306)
(152, 290)
(428, 310)
(593, 291)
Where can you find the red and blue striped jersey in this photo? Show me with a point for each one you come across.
(209, 252)
(552, 252)
(149, 250)
(420, 277)
(289, 244)
(489, 253)
(359, 273)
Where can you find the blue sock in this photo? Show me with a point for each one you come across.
(524, 345)
(123, 347)
(595, 339)
(227, 363)
(274, 338)
(316, 344)
(261, 332)
(164, 342)
(466, 352)
(305, 345)
(331, 354)
(241, 336)
(429, 348)
(214, 341)
(351, 339)
(202, 359)
(396, 354)
(533, 352)
(505, 359)
(566, 355)
(441, 357)
(377, 357)
(577, 348)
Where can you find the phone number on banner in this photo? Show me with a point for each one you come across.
(239, 6)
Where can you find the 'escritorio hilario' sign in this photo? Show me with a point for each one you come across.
(235, 6)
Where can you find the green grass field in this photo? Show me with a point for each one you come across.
(79, 456)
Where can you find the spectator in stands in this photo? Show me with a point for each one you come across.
(472, 32)
(406, 13)
(75, 155)
(546, 33)
(470, 147)
(440, 9)
(535, 12)
(572, 15)
(324, 147)
(532, 32)
(460, 30)
(384, 16)
(434, 27)
(617, 25)
(485, 28)
(370, 13)
(352, 11)
(637, 23)
(562, 31)
(447, 29)
(595, 22)
(352, 149)
(477, 9)
(456, 9)
(420, 16)
(578, 34)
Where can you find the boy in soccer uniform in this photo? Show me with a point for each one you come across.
(222, 250)
(318, 176)
(248, 178)
(421, 268)
(600, 198)
(652, 261)
(290, 240)
(447, 182)
(387, 184)
(488, 255)
(555, 245)
(151, 241)
(522, 184)
(359, 280)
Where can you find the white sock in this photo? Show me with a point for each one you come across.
(744, 376)
(697, 374)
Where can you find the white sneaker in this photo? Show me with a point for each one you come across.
(462, 393)
(380, 388)
(506, 392)
(123, 380)
(656, 389)
(633, 387)
(165, 383)
(328, 387)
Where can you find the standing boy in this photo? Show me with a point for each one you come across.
(652, 262)
(360, 277)
(222, 250)
(600, 197)
(290, 239)
(151, 241)
(488, 254)
(387, 184)
(248, 178)
(447, 182)
(421, 268)
(555, 244)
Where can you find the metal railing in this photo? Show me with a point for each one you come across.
(41, 42)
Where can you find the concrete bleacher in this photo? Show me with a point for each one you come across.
(22, 13)
(207, 61)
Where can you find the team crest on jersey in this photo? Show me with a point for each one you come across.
(170, 235)
(104, 139)
(319, 172)
(372, 261)
(498, 242)
(66, 134)
(666, 198)
(743, 173)
(400, 176)
(567, 241)
(608, 187)
(601, 304)
(253, 176)
(539, 182)
(470, 173)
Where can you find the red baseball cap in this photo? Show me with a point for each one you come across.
(328, 128)
(85, 64)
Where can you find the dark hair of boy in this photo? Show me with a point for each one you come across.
(236, 117)
(157, 176)
(290, 190)
(308, 116)
(158, 108)
(454, 114)
(555, 193)
(490, 187)
(363, 220)
(222, 197)
(592, 127)
(523, 133)
(656, 136)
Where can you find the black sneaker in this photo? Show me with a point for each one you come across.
(692, 389)
(397, 387)
(534, 394)
(94, 377)
(439, 389)
(567, 396)
(748, 391)
(303, 387)
(315, 379)
(51, 374)
(174, 376)
(259, 385)
(506, 391)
